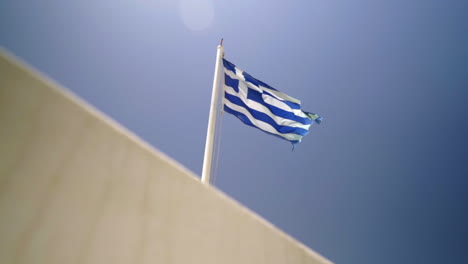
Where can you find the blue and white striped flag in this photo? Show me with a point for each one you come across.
(259, 105)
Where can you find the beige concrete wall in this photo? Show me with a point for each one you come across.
(75, 187)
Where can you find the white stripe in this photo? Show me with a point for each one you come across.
(231, 74)
(268, 99)
(261, 108)
(278, 103)
(277, 94)
(281, 95)
(262, 125)
(239, 74)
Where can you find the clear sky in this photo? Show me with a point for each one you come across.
(382, 180)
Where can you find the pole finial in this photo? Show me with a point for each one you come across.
(221, 42)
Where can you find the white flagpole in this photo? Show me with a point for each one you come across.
(206, 172)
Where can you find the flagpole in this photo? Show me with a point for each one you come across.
(206, 172)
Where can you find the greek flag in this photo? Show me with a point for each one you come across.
(259, 105)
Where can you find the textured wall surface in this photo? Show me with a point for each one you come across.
(75, 187)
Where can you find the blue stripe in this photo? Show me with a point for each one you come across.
(233, 83)
(229, 66)
(318, 120)
(251, 79)
(246, 121)
(257, 97)
(266, 118)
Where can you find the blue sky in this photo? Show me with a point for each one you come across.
(382, 180)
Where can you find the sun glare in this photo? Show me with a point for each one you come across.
(197, 14)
